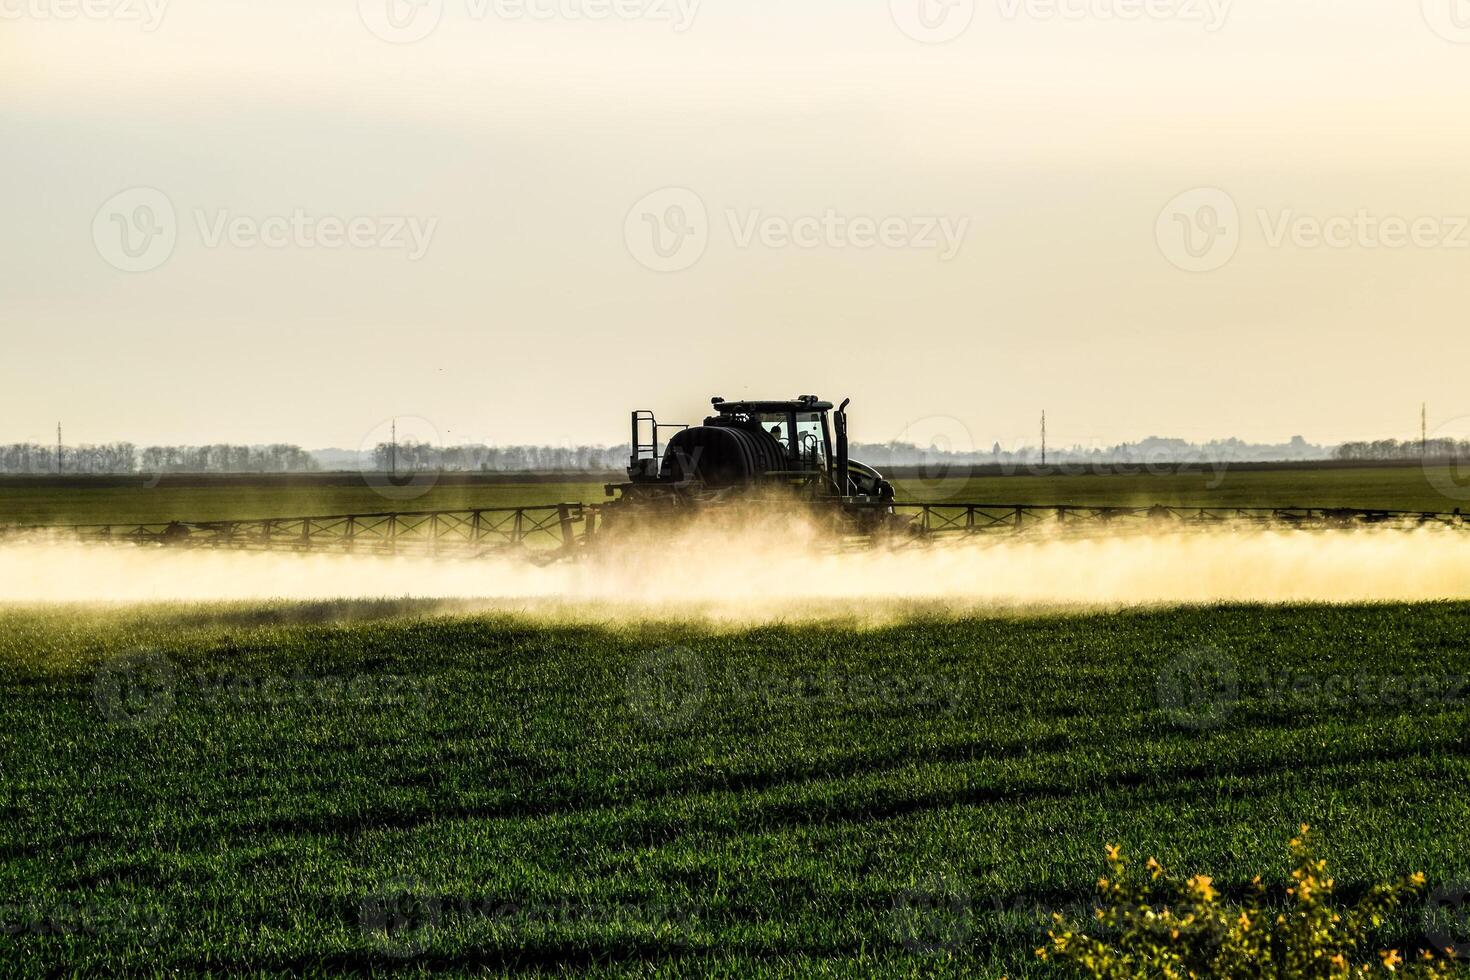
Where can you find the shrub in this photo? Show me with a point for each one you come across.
(1152, 926)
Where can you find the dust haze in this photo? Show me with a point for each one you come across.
(784, 571)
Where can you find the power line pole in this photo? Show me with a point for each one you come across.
(1043, 437)
(1424, 431)
(393, 452)
(58, 448)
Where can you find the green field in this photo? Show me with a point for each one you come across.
(1388, 488)
(79, 501)
(391, 788)
(406, 788)
(240, 499)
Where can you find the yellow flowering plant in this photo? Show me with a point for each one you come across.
(1151, 926)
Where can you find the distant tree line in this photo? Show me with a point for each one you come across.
(421, 456)
(124, 457)
(1154, 449)
(1389, 449)
(412, 456)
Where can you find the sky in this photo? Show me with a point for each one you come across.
(513, 221)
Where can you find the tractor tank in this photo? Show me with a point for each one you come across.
(720, 455)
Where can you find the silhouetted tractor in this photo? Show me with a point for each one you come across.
(767, 451)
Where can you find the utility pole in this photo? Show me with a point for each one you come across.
(1424, 431)
(1043, 437)
(58, 448)
(393, 452)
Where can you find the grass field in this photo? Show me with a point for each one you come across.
(1388, 488)
(314, 789)
(393, 787)
(80, 501)
(133, 501)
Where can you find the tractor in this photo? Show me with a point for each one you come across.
(765, 451)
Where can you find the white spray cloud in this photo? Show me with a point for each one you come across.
(784, 570)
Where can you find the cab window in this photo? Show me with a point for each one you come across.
(811, 438)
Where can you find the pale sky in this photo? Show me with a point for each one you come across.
(989, 226)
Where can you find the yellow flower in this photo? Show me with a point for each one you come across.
(1155, 868)
(1115, 852)
(1203, 886)
(1391, 959)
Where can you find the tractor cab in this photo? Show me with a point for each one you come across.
(801, 428)
(801, 442)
